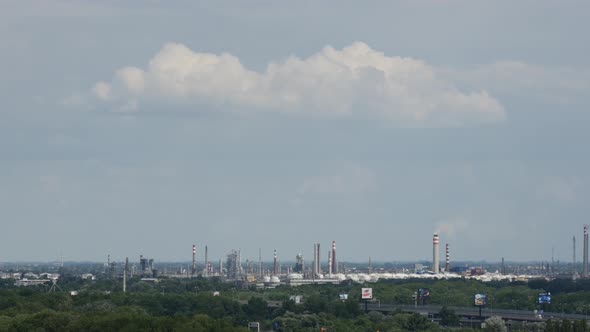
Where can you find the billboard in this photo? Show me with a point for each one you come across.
(366, 293)
(481, 300)
(423, 293)
(545, 298)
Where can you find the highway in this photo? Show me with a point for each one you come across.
(473, 312)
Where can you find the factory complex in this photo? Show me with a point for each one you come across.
(263, 274)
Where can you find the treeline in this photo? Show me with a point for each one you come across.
(558, 286)
(190, 305)
(26, 309)
(121, 319)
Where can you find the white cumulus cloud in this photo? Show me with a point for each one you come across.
(350, 81)
(102, 91)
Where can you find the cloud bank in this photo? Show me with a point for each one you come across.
(355, 80)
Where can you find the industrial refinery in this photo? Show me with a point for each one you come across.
(293, 269)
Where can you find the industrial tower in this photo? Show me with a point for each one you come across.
(334, 262)
(316, 268)
(274, 266)
(585, 253)
(206, 274)
(194, 267)
(447, 258)
(574, 258)
(435, 258)
(125, 274)
(329, 264)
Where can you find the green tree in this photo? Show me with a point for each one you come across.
(448, 317)
(566, 326)
(495, 324)
(412, 322)
(315, 304)
(581, 326)
(256, 309)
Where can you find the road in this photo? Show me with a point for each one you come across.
(473, 312)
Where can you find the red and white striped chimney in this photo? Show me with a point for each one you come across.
(435, 258)
(334, 262)
(329, 263)
(448, 260)
(194, 268)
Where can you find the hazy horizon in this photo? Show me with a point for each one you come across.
(132, 128)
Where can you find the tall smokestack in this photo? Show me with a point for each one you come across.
(435, 264)
(194, 268)
(319, 268)
(585, 263)
(125, 274)
(274, 266)
(260, 262)
(447, 258)
(206, 261)
(314, 267)
(329, 263)
(574, 258)
(334, 262)
(239, 267)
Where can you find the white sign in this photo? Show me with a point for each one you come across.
(366, 293)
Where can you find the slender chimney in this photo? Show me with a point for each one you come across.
(125, 274)
(319, 268)
(260, 262)
(435, 258)
(240, 267)
(302, 264)
(334, 262)
(206, 261)
(574, 258)
(314, 267)
(447, 258)
(329, 264)
(585, 263)
(194, 268)
(274, 266)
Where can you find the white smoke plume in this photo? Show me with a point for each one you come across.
(353, 80)
(450, 227)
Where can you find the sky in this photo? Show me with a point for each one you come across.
(142, 127)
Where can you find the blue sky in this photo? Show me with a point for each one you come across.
(142, 127)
